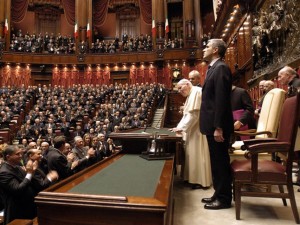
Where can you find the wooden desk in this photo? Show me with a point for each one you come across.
(69, 203)
(137, 140)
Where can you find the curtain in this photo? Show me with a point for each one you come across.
(69, 8)
(146, 10)
(18, 10)
(100, 9)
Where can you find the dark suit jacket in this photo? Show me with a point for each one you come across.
(80, 154)
(104, 149)
(17, 193)
(216, 112)
(293, 86)
(57, 161)
(40, 180)
(240, 99)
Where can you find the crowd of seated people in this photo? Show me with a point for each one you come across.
(90, 112)
(62, 44)
(80, 110)
(12, 102)
(127, 44)
(176, 43)
(38, 43)
(46, 156)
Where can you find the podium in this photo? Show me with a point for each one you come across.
(156, 148)
(151, 143)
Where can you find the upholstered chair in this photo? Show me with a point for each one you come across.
(267, 124)
(251, 175)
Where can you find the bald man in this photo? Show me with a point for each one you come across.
(194, 78)
(288, 76)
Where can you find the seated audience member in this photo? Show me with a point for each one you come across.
(243, 110)
(44, 161)
(24, 142)
(68, 151)
(91, 134)
(22, 133)
(70, 155)
(16, 186)
(96, 146)
(116, 118)
(268, 85)
(50, 124)
(64, 165)
(103, 146)
(105, 131)
(261, 95)
(49, 137)
(31, 145)
(112, 146)
(40, 179)
(124, 125)
(136, 123)
(78, 131)
(86, 140)
(83, 154)
(289, 77)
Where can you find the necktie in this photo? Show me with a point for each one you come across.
(208, 68)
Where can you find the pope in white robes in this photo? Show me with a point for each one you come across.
(197, 169)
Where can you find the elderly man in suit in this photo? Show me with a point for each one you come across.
(289, 77)
(83, 154)
(216, 122)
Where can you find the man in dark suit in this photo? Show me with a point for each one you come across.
(64, 165)
(241, 100)
(16, 188)
(288, 76)
(104, 150)
(83, 154)
(216, 122)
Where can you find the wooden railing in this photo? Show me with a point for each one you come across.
(105, 58)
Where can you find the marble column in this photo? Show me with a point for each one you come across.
(189, 22)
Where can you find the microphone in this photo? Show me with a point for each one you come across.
(146, 126)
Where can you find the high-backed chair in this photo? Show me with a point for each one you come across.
(255, 172)
(267, 124)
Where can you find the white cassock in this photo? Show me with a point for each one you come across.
(197, 168)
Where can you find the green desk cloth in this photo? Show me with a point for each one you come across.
(131, 175)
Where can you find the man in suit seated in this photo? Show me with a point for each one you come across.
(103, 146)
(243, 110)
(83, 154)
